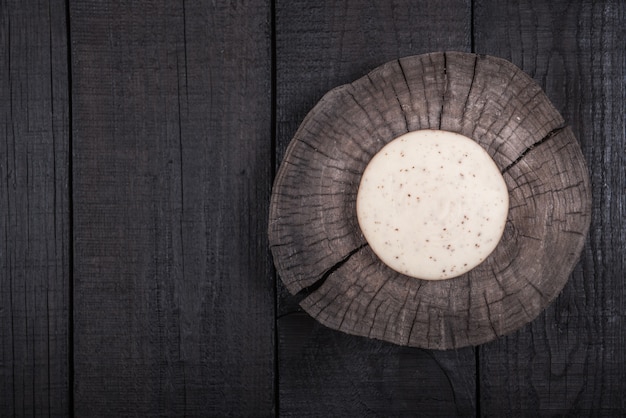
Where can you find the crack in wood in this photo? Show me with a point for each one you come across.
(417, 309)
(406, 121)
(548, 136)
(503, 107)
(369, 333)
(445, 87)
(406, 80)
(500, 285)
(424, 89)
(471, 87)
(375, 295)
(538, 93)
(374, 103)
(312, 288)
(402, 309)
(418, 302)
(489, 319)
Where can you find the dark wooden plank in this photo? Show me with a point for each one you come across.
(34, 210)
(320, 45)
(572, 359)
(325, 44)
(174, 312)
(325, 371)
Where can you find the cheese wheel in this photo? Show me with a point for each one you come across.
(432, 204)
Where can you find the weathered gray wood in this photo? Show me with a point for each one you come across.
(316, 240)
(174, 311)
(320, 46)
(34, 210)
(571, 361)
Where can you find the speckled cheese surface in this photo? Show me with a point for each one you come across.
(432, 204)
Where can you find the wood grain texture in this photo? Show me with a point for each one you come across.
(34, 210)
(320, 46)
(316, 240)
(174, 310)
(362, 377)
(172, 166)
(571, 360)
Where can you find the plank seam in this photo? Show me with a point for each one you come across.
(70, 191)
(472, 35)
(477, 364)
(273, 168)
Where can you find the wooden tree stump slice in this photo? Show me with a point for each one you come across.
(321, 254)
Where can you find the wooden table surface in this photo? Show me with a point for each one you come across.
(139, 140)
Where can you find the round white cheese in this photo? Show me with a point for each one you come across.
(432, 204)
